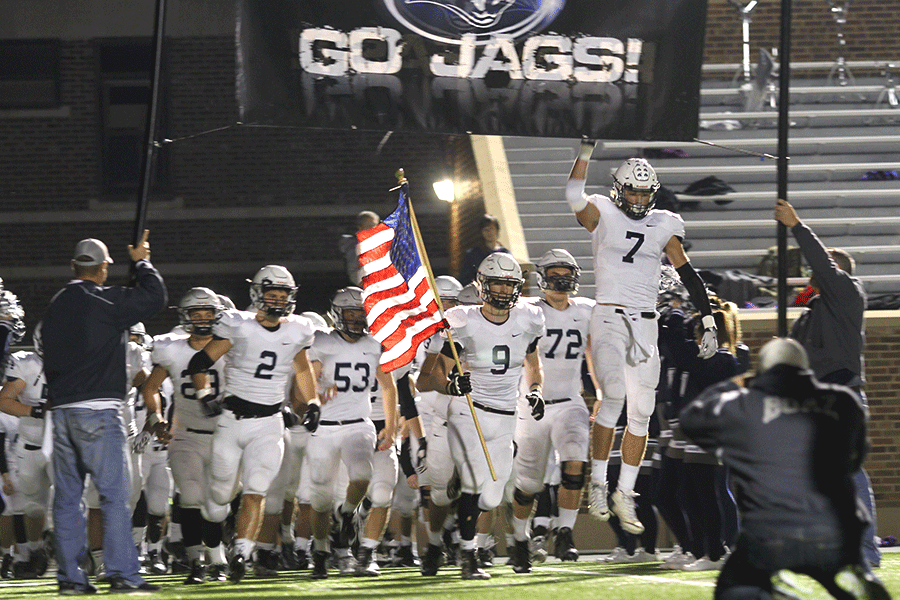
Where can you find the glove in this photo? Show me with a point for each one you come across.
(421, 453)
(37, 412)
(211, 408)
(536, 402)
(311, 418)
(710, 341)
(289, 416)
(459, 384)
(139, 444)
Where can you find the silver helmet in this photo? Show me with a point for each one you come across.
(448, 288)
(636, 175)
(559, 283)
(273, 277)
(782, 351)
(469, 295)
(199, 298)
(348, 298)
(499, 268)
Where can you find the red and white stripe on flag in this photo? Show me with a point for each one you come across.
(401, 311)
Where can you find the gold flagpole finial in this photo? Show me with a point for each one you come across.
(401, 176)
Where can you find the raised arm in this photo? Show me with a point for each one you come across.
(586, 213)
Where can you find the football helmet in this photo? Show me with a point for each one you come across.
(499, 268)
(317, 320)
(199, 298)
(37, 340)
(558, 283)
(139, 330)
(782, 351)
(636, 175)
(273, 277)
(469, 295)
(348, 298)
(227, 303)
(12, 316)
(448, 288)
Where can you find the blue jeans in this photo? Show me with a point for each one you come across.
(92, 441)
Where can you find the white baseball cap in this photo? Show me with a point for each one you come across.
(91, 252)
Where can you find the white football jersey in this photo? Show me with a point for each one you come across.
(435, 402)
(172, 352)
(10, 426)
(29, 367)
(260, 362)
(627, 254)
(494, 353)
(351, 368)
(563, 346)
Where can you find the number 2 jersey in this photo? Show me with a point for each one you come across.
(494, 353)
(172, 352)
(350, 367)
(627, 254)
(260, 362)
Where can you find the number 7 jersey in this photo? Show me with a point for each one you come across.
(627, 254)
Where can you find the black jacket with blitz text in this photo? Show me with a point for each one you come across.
(85, 335)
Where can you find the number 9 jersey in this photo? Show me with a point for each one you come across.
(260, 362)
(627, 254)
(494, 353)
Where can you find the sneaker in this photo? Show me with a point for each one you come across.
(642, 556)
(469, 568)
(302, 559)
(320, 565)
(623, 507)
(599, 507)
(266, 563)
(197, 575)
(674, 563)
(704, 563)
(522, 557)
(485, 558)
(217, 572)
(618, 556)
(564, 548)
(67, 588)
(156, 564)
(538, 548)
(432, 560)
(860, 583)
(347, 565)
(366, 565)
(237, 568)
(120, 585)
(406, 558)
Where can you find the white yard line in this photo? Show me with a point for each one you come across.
(653, 578)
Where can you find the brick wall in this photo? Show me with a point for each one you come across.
(881, 351)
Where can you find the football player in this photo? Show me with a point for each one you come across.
(346, 363)
(24, 395)
(264, 349)
(498, 343)
(629, 239)
(190, 450)
(566, 424)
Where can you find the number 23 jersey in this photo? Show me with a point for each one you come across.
(494, 353)
(260, 362)
(627, 254)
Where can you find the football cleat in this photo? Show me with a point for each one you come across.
(266, 563)
(320, 565)
(469, 569)
(366, 566)
(237, 568)
(405, 557)
(432, 560)
(197, 575)
(624, 508)
(599, 506)
(521, 557)
(538, 547)
(564, 547)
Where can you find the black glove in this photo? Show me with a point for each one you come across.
(459, 384)
(311, 418)
(37, 412)
(421, 453)
(139, 444)
(536, 402)
(289, 416)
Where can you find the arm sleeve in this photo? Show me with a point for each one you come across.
(4, 468)
(828, 275)
(694, 285)
(407, 402)
(199, 363)
(406, 458)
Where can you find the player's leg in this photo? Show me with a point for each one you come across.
(569, 434)
(533, 451)
(322, 458)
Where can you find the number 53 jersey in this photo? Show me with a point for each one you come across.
(627, 254)
(350, 368)
(260, 362)
(494, 353)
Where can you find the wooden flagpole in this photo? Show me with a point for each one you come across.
(401, 179)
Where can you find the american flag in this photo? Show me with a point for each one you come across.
(400, 305)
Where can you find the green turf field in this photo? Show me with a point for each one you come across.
(553, 580)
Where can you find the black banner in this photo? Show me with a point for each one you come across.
(606, 69)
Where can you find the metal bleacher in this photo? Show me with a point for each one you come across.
(844, 149)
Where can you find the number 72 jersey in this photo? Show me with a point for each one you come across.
(627, 254)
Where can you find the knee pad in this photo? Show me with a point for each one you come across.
(381, 495)
(523, 498)
(573, 482)
(638, 426)
(610, 409)
(319, 499)
(440, 497)
(214, 513)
